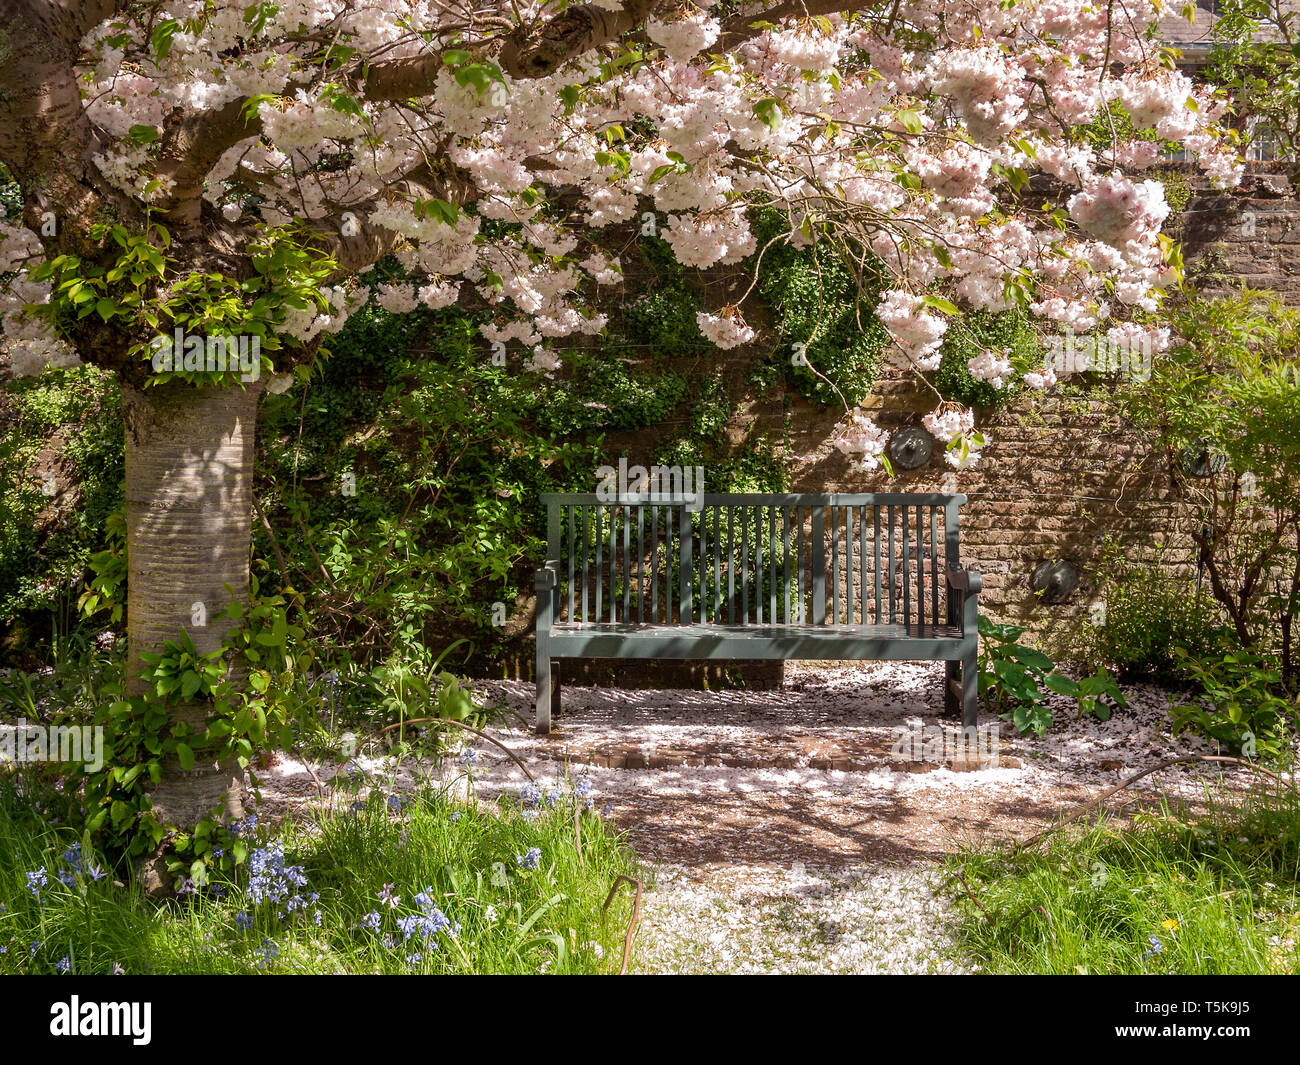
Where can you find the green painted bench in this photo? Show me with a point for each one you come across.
(757, 577)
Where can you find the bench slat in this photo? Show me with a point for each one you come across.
(819, 564)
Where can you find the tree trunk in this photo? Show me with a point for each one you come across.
(189, 472)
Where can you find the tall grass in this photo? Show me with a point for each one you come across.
(1171, 894)
(517, 892)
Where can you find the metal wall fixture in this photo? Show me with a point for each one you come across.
(1199, 461)
(910, 447)
(1055, 581)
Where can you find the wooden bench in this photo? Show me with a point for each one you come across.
(757, 577)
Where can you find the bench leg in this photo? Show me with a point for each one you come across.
(970, 692)
(951, 688)
(545, 695)
(555, 689)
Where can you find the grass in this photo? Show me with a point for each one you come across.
(1213, 894)
(471, 860)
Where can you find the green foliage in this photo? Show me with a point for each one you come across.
(511, 918)
(141, 295)
(1240, 703)
(1253, 61)
(712, 410)
(663, 320)
(816, 303)
(72, 416)
(141, 734)
(610, 393)
(1178, 192)
(1229, 389)
(968, 335)
(1115, 126)
(1216, 894)
(1150, 614)
(1015, 680)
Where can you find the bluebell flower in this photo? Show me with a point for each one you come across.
(531, 860)
(95, 872)
(36, 880)
(63, 964)
(271, 880)
(372, 921)
(530, 795)
(396, 803)
(582, 786)
(270, 951)
(243, 919)
(218, 853)
(425, 925)
(468, 757)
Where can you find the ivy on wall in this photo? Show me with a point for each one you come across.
(816, 303)
(969, 334)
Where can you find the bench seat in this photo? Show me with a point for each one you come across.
(800, 642)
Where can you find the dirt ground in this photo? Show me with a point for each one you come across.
(799, 829)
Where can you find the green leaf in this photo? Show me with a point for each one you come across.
(1062, 685)
(185, 756)
(768, 111)
(910, 121)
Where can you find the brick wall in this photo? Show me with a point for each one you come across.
(1060, 476)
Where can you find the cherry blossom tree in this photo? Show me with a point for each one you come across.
(231, 168)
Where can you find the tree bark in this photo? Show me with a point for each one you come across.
(189, 459)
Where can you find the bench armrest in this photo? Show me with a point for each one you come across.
(548, 589)
(967, 583)
(549, 575)
(965, 580)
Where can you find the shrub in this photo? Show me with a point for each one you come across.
(1149, 617)
(1241, 703)
(1015, 680)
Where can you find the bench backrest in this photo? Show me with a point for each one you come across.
(755, 559)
